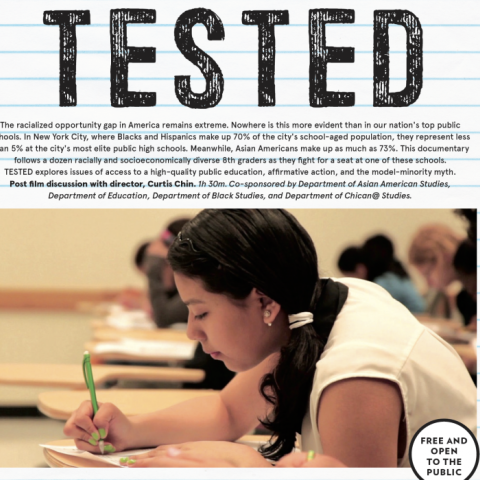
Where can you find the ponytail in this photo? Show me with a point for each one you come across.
(288, 387)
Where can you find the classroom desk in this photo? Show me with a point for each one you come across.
(60, 460)
(110, 334)
(71, 376)
(157, 357)
(60, 405)
(97, 323)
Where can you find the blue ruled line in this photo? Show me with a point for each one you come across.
(230, 52)
(172, 105)
(234, 131)
(333, 25)
(41, 154)
(229, 78)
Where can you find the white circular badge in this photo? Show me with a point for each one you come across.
(444, 448)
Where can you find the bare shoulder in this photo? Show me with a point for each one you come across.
(367, 388)
(358, 421)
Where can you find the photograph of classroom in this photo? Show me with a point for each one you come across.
(99, 281)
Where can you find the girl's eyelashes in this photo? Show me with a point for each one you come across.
(199, 317)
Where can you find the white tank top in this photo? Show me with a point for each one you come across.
(389, 343)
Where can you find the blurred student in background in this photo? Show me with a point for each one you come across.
(162, 301)
(465, 260)
(351, 263)
(433, 251)
(470, 215)
(465, 263)
(375, 261)
(132, 298)
(167, 306)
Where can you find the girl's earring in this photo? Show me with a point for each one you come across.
(267, 314)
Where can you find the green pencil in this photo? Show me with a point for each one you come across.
(88, 375)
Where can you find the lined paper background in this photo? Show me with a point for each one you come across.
(29, 65)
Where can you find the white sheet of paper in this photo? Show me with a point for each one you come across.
(126, 320)
(148, 348)
(111, 458)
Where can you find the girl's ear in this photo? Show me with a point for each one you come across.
(269, 308)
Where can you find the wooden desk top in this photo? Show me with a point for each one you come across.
(109, 334)
(97, 323)
(60, 460)
(71, 376)
(60, 405)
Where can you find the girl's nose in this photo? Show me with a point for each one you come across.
(194, 330)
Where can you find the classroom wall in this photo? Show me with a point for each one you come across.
(92, 249)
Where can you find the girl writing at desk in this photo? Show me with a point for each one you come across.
(338, 361)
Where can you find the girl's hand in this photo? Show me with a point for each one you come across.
(109, 424)
(199, 455)
(299, 460)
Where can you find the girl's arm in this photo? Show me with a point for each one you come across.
(222, 416)
(226, 415)
(359, 422)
